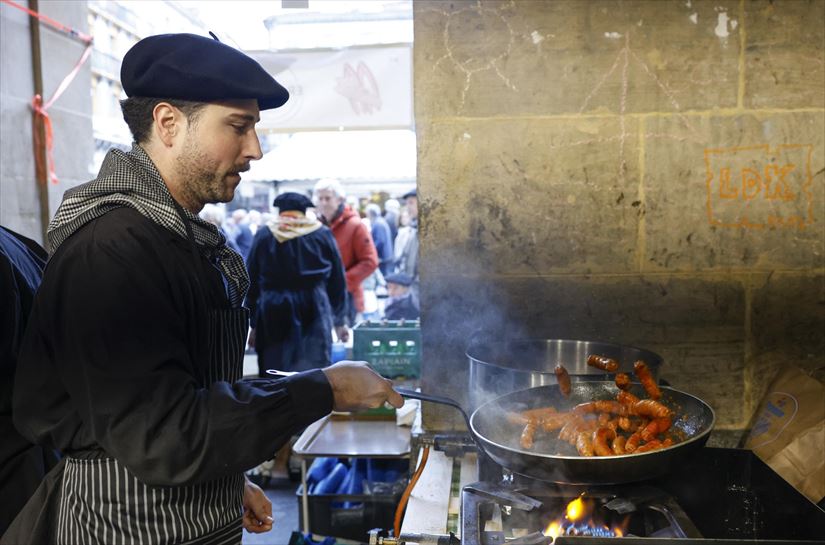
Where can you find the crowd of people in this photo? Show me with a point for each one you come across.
(320, 265)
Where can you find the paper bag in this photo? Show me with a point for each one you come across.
(789, 433)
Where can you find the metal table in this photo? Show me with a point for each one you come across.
(348, 436)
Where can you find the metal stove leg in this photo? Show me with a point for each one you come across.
(304, 495)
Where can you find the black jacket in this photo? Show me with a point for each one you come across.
(296, 288)
(112, 355)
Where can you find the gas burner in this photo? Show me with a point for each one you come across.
(721, 494)
(506, 513)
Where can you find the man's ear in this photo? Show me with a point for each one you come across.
(169, 122)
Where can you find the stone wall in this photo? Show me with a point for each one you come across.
(71, 114)
(649, 173)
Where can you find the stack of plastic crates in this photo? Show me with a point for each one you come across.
(391, 347)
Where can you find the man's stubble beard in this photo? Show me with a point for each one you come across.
(201, 180)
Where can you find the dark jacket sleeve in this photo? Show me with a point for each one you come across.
(113, 328)
(337, 282)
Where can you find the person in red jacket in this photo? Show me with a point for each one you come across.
(355, 243)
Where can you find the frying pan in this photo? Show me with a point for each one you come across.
(554, 460)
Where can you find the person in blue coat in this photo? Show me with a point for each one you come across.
(22, 464)
(297, 289)
(381, 237)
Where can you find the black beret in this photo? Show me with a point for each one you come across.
(402, 279)
(408, 194)
(292, 201)
(191, 67)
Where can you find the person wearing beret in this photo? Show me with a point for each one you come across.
(132, 360)
(401, 305)
(296, 287)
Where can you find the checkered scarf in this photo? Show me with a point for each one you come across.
(131, 179)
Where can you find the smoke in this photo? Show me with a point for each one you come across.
(459, 307)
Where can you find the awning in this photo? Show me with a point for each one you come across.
(357, 156)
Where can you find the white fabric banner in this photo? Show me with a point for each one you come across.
(358, 87)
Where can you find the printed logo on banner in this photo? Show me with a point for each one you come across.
(360, 88)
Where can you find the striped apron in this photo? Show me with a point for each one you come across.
(101, 502)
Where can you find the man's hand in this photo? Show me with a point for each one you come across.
(257, 509)
(356, 387)
(342, 332)
(251, 342)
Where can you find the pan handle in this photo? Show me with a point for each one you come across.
(412, 394)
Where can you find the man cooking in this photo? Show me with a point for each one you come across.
(132, 361)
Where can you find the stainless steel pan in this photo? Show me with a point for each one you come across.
(553, 460)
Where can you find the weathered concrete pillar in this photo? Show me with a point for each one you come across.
(649, 173)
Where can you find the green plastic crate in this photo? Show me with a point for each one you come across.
(391, 347)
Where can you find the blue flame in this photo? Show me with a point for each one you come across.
(584, 530)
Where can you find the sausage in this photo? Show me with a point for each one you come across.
(668, 442)
(651, 445)
(528, 433)
(602, 362)
(570, 429)
(603, 419)
(651, 409)
(563, 378)
(540, 412)
(583, 444)
(626, 398)
(632, 442)
(655, 427)
(574, 426)
(520, 419)
(622, 381)
(625, 423)
(600, 438)
(554, 421)
(618, 444)
(643, 372)
(601, 406)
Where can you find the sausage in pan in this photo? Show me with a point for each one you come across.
(522, 417)
(563, 378)
(622, 381)
(643, 372)
(604, 363)
(528, 433)
(656, 426)
(574, 426)
(650, 409)
(600, 438)
(647, 447)
(632, 442)
(626, 398)
(618, 444)
(601, 406)
(554, 421)
(625, 423)
(583, 444)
